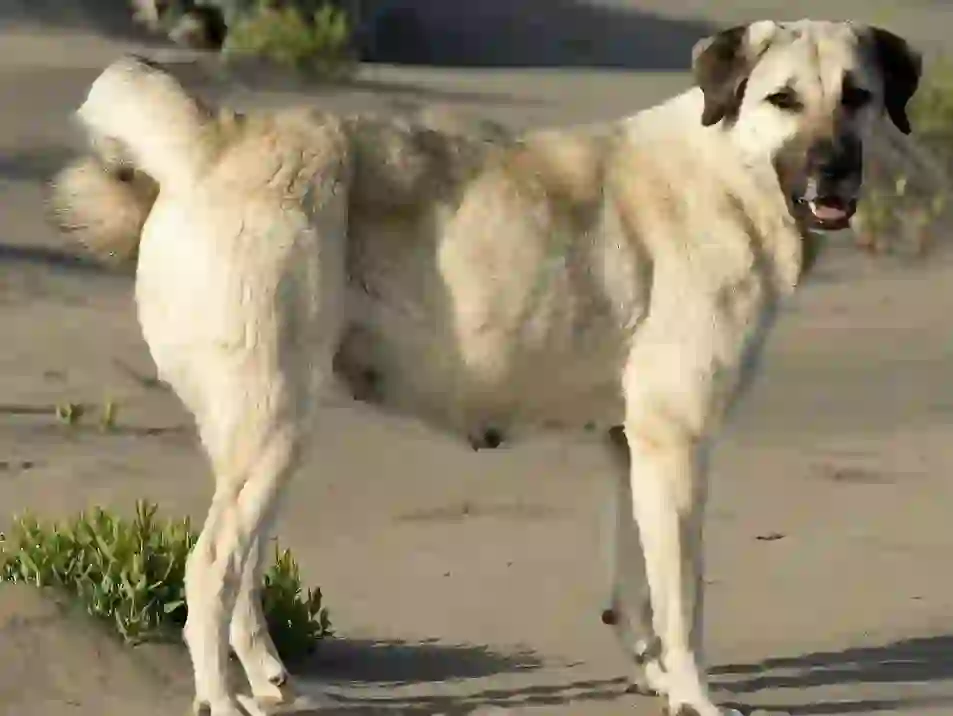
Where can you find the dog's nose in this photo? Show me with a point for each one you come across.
(838, 168)
(836, 159)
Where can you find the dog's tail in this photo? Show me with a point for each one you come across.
(103, 207)
(146, 132)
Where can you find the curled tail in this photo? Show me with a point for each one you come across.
(145, 131)
(103, 207)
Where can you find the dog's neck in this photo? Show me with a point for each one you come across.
(751, 179)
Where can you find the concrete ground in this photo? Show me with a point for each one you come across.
(459, 581)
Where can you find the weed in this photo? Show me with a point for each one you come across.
(131, 573)
(312, 40)
(906, 191)
(69, 413)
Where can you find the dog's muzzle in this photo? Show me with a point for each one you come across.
(829, 199)
(827, 212)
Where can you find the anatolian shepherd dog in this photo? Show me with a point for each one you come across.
(623, 276)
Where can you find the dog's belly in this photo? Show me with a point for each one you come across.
(421, 373)
(501, 312)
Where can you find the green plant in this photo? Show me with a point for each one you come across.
(131, 573)
(906, 191)
(109, 415)
(932, 106)
(296, 619)
(315, 39)
(70, 413)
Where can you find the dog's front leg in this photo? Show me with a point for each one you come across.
(668, 498)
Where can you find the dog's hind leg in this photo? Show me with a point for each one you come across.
(630, 619)
(253, 364)
(257, 410)
(249, 635)
(253, 439)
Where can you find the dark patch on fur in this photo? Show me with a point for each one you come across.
(125, 174)
(399, 164)
(900, 66)
(490, 439)
(616, 435)
(720, 70)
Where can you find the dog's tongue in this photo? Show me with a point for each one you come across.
(829, 209)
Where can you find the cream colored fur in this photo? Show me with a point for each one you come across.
(104, 207)
(618, 275)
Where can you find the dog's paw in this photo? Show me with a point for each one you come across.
(276, 689)
(649, 678)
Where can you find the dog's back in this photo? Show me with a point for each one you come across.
(103, 198)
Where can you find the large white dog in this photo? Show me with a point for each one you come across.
(624, 276)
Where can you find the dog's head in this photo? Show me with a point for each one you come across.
(804, 95)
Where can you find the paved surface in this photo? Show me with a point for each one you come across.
(460, 581)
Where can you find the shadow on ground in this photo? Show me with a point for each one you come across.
(479, 702)
(35, 164)
(530, 33)
(488, 33)
(908, 662)
(109, 17)
(51, 258)
(256, 76)
(344, 664)
(398, 663)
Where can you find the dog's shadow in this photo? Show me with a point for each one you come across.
(916, 664)
(362, 677)
(366, 677)
(400, 663)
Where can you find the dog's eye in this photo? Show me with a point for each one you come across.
(854, 98)
(785, 99)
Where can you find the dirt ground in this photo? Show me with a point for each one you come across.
(461, 581)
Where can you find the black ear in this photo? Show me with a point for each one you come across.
(720, 65)
(900, 66)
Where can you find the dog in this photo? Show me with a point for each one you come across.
(623, 276)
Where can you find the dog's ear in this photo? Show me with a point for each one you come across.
(900, 67)
(720, 65)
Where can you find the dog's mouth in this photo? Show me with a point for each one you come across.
(827, 213)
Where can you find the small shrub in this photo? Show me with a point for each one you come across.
(109, 415)
(932, 106)
(317, 41)
(69, 413)
(72, 414)
(906, 191)
(131, 573)
(296, 619)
